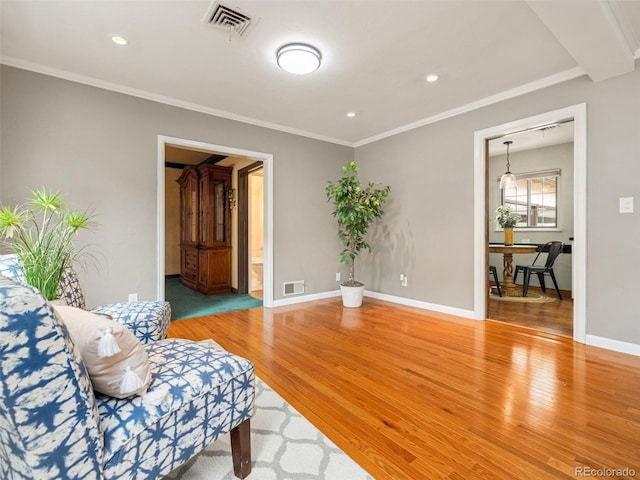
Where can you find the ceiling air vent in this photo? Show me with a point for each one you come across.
(231, 20)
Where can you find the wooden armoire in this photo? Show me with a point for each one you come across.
(205, 228)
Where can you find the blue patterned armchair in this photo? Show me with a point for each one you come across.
(149, 321)
(53, 425)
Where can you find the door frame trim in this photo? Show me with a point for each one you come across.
(579, 248)
(267, 163)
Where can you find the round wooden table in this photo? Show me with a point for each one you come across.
(509, 288)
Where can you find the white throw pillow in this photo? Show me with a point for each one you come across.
(116, 360)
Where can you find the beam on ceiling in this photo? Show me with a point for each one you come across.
(590, 33)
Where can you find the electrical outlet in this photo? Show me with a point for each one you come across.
(338, 277)
(405, 281)
(402, 277)
(133, 297)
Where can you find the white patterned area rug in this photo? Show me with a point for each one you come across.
(284, 446)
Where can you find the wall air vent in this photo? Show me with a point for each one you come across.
(293, 288)
(231, 20)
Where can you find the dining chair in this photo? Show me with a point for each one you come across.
(494, 272)
(554, 249)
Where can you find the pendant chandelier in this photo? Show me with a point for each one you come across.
(508, 179)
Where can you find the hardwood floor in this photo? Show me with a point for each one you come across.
(412, 394)
(556, 317)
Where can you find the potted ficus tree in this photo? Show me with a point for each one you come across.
(355, 208)
(42, 232)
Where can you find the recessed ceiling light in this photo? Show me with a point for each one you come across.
(119, 40)
(351, 114)
(432, 77)
(298, 58)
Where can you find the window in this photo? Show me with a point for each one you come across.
(535, 199)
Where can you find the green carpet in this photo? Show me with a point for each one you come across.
(185, 303)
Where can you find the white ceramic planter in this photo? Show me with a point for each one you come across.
(352, 296)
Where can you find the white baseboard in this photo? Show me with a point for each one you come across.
(419, 304)
(380, 296)
(616, 345)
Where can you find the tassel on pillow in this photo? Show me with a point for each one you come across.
(108, 345)
(115, 359)
(155, 398)
(130, 381)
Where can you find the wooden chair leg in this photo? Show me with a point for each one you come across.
(241, 449)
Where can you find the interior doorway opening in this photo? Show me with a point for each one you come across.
(541, 196)
(256, 249)
(482, 216)
(238, 159)
(251, 229)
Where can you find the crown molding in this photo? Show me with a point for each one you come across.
(94, 82)
(507, 94)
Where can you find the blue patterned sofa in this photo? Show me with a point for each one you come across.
(149, 321)
(53, 425)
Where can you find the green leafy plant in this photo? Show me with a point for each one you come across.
(506, 217)
(355, 209)
(41, 232)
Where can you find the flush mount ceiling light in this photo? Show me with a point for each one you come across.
(432, 77)
(508, 179)
(119, 40)
(351, 114)
(298, 58)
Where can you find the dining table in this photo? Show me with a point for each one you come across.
(509, 288)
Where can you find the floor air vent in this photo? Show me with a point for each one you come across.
(229, 19)
(293, 288)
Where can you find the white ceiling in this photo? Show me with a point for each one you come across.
(184, 156)
(553, 134)
(375, 55)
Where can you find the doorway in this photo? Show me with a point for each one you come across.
(577, 114)
(256, 247)
(542, 197)
(250, 230)
(248, 157)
